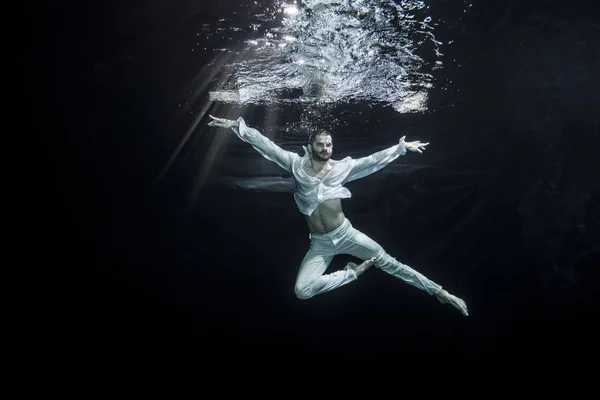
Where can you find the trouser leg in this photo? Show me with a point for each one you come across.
(361, 246)
(311, 281)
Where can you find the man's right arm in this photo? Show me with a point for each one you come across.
(261, 144)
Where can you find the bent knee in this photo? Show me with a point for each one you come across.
(304, 291)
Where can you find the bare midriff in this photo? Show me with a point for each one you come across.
(327, 217)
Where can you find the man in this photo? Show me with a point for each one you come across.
(319, 190)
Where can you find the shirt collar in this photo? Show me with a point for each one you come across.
(306, 153)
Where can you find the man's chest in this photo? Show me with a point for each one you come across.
(317, 174)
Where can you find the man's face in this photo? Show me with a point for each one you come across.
(322, 148)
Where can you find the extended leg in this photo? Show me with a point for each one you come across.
(458, 303)
(360, 245)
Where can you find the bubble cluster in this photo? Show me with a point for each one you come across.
(338, 51)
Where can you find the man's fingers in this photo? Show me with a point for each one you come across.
(217, 119)
(218, 122)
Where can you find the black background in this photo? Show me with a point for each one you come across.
(507, 218)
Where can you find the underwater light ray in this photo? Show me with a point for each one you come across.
(203, 80)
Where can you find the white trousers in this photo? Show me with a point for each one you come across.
(312, 281)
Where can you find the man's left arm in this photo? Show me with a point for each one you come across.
(364, 166)
(361, 167)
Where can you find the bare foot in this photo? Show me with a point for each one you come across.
(459, 304)
(360, 269)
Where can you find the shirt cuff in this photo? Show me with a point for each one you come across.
(402, 147)
(242, 129)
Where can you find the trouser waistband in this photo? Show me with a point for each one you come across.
(345, 225)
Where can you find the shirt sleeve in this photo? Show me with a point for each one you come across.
(361, 167)
(265, 146)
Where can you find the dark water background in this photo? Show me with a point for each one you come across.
(505, 214)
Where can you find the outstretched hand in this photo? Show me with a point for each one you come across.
(222, 122)
(415, 146)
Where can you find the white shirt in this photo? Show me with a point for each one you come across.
(311, 191)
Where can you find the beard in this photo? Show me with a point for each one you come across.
(321, 156)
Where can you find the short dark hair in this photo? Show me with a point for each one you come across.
(313, 136)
